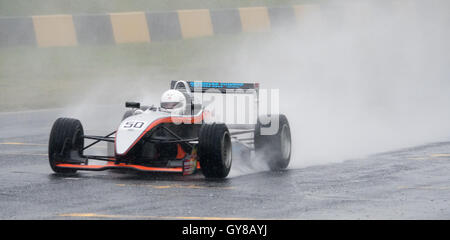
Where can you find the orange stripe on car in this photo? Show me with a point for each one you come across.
(120, 165)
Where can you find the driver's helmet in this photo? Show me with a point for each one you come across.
(173, 101)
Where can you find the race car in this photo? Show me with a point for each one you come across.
(176, 136)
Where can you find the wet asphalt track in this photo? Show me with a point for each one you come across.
(408, 184)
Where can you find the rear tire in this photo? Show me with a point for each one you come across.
(275, 149)
(214, 150)
(66, 136)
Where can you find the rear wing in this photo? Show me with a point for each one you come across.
(224, 88)
(196, 86)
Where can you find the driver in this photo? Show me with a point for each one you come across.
(174, 102)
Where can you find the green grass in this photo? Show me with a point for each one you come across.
(33, 78)
(42, 7)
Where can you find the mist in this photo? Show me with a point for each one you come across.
(358, 79)
(355, 78)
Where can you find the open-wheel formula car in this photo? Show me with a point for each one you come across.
(173, 137)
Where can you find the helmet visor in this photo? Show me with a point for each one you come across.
(170, 105)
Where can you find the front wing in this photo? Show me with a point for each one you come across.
(112, 165)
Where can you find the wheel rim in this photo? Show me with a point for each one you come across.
(78, 141)
(226, 150)
(285, 142)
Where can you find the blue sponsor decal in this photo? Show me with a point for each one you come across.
(216, 85)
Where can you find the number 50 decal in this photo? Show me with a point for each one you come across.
(133, 125)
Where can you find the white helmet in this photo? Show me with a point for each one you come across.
(173, 101)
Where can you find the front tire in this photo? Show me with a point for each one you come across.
(214, 150)
(275, 149)
(66, 136)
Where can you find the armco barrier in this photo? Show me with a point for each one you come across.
(144, 27)
(195, 23)
(138, 27)
(55, 30)
(130, 27)
(255, 19)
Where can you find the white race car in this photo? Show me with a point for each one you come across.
(173, 137)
